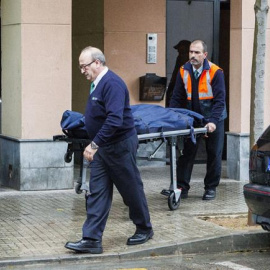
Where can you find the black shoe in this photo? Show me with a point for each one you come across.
(85, 246)
(209, 194)
(140, 238)
(165, 192)
(184, 195)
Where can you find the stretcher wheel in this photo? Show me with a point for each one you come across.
(68, 157)
(172, 203)
(78, 188)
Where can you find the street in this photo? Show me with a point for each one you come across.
(219, 261)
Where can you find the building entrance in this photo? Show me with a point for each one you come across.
(208, 20)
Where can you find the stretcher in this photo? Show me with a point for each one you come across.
(174, 139)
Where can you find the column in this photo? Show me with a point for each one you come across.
(242, 35)
(36, 89)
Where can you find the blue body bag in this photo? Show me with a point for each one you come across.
(155, 118)
(147, 119)
(73, 125)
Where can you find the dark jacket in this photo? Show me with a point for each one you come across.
(108, 117)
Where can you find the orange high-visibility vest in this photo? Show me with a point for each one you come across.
(204, 86)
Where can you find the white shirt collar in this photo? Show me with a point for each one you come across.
(99, 77)
(199, 69)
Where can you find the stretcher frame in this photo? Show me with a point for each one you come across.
(173, 138)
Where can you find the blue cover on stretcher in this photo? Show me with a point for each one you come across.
(73, 124)
(147, 119)
(154, 118)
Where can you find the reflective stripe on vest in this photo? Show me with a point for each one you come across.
(204, 86)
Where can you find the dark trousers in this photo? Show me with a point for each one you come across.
(115, 164)
(214, 147)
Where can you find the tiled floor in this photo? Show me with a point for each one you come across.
(39, 223)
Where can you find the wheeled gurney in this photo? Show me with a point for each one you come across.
(175, 139)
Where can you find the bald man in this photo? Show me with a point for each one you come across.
(112, 155)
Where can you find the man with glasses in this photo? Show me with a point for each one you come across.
(112, 155)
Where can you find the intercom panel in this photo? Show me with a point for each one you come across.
(151, 48)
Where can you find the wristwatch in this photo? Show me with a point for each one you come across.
(94, 145)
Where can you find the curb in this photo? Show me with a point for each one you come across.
(227, 243)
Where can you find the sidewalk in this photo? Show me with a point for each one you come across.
(36, 225)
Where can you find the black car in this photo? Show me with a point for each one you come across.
(257, 192)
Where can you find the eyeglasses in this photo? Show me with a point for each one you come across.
(84, 66)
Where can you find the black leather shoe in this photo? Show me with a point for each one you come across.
(140, 238)
(184, 195)
(209, 194)
(85, 246)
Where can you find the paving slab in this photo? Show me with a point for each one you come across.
(35, 225)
